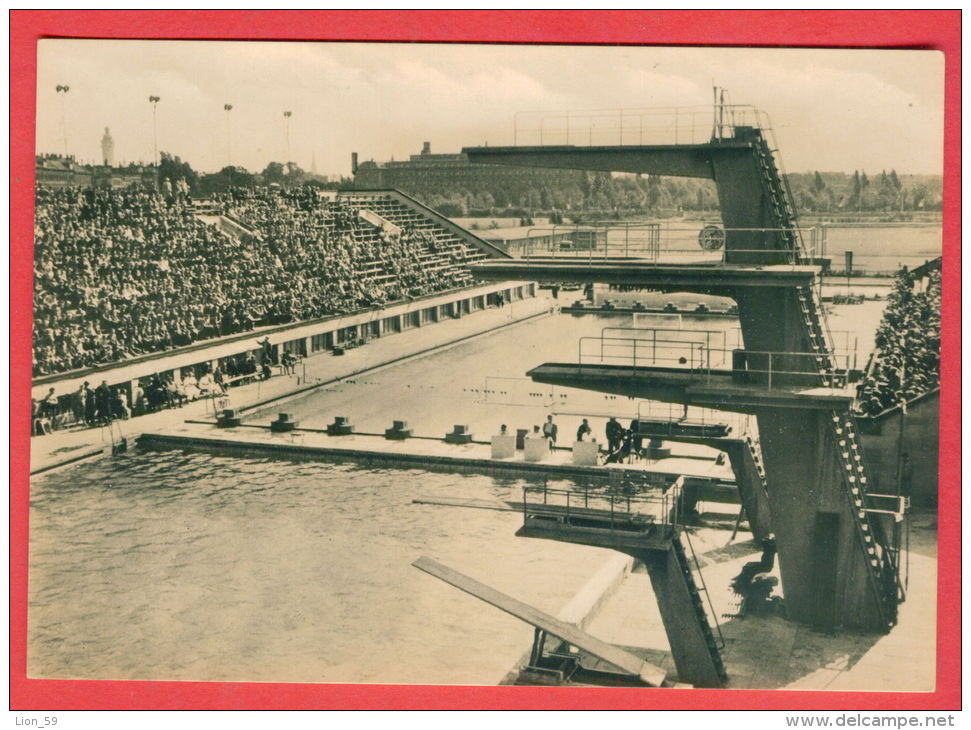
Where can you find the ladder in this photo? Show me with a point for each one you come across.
(714, 646)
(817, 330)
(756, 450)
(881, 571)
(779, 196)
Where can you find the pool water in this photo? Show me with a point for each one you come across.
(168, 565)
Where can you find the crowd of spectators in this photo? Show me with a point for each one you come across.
(101, 405)
(907, 359)
(119, 274)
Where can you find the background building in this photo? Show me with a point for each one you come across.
(483, 186)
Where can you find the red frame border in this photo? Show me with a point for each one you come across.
(937, 29)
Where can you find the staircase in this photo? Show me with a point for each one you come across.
(817, 331)
(882, 568)
(779, 195)
(756, 450)
(714, 647)
(881, 571)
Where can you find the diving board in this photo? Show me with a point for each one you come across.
(617, 657)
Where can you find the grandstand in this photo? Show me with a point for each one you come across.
(120, 274)
(906, 362)
(151, 290)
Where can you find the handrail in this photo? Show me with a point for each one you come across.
(707, 334)
(634, 126)
(695, 356)
(704, 588)
(657, 243)
(660, 509)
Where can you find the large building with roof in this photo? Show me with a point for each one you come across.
(428, 173)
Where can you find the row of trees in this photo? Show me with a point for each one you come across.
(816, 192)
(173, 168)
(833, 192)
(582, 193)
(573, 193)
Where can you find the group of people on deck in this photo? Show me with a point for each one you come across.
(621, 442)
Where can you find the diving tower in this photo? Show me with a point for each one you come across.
(838, 535)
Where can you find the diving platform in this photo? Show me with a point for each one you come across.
(650, 528)
(622, 661)
(717, 279)
(718, 389)
(839, 558)
(683, 160)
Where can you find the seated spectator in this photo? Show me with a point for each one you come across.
(122, 273)
(119, 408)
(208, 385)
(190, 387)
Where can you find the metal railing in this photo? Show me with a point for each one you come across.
(619, 509)
(657, 244)
(643, 352)
(672, 418)
(701, 124)
(711, 339)
(769, 368)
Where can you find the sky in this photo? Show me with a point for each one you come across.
(832, 110)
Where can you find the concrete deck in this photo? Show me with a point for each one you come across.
(417, 451)
(79, 442)
(765, 651)
(719, 279)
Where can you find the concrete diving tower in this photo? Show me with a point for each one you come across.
(838, 536)
(756, 209)
(649, 528)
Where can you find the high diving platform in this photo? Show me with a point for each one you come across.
(715, 278)
(839, 554)
(719, 388)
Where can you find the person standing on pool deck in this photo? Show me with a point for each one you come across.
(615, 434)
(549, 431)
(584, 430)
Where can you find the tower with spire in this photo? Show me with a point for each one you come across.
(108, 149)
(313, 163)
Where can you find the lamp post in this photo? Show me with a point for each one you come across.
(154, 100)
(229, 136)
(286, 126)
(62, 90)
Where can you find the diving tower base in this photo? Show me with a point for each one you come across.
(659, 547)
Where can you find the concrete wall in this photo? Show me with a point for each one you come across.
(881, 444)
(824, 574)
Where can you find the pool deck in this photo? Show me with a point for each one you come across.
(765, 651)
(78, 443)
(421, 452)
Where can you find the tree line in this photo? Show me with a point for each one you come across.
(572, 196)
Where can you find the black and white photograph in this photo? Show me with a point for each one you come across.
(471, 364)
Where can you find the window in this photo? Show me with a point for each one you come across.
(391, 325)
(318, 342)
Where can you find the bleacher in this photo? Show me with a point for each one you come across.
(303, 256)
